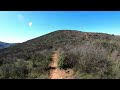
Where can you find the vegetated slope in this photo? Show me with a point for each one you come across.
(5, 45)
(90, 55)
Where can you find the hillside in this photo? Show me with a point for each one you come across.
(5, 45)
(89, 55)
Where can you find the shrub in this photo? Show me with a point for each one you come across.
(13, 71)
(40, 60)
(61, 61)
(69, 61)
(110, 46)
(90, 59)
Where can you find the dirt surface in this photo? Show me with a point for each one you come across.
(57, 73)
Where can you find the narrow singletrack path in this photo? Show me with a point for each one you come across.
(57, 73)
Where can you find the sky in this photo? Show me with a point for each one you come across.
(20, 26)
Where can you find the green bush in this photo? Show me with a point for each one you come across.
(13, 71)
(61, 61)
(70, 60)
(110, 46)
(90, 59)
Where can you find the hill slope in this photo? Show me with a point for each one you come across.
(90, 55)
(5, 45)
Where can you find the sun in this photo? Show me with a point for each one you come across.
(30, 24)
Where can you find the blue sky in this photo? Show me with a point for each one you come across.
(20, 26)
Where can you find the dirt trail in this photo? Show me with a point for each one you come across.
(57, 73)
